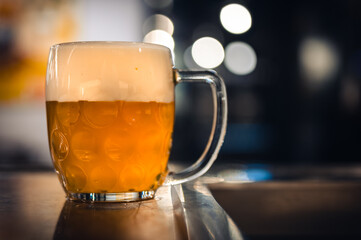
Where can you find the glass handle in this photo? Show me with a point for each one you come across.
(218, 131)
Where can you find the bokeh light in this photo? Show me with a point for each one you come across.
(350, 94)
(160, 37)
(207, 52)
(240, 58)
(160, 22)
(319, 60)
(235, 18)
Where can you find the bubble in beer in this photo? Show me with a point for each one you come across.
(100, 114)
(119, 146)
(67, 113)
(135, 113)
(59, 145)
(83, 146)
(103, 178)
(158, 178)
(76, 178)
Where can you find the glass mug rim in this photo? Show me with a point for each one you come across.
(111, 43)
(176, 76)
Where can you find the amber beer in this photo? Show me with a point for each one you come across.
(110, 114)
(114, 146)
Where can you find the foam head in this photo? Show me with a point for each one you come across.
(109, 71)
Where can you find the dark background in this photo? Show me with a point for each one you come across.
(294, 120)
(278, 113)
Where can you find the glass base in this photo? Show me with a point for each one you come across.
(111, 197)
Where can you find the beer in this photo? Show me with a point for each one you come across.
(110, 114)
(110, 146)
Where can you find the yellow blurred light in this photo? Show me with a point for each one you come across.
(207, 52)
(235, 18)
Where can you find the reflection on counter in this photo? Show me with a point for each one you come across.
(35, 203)
(180, 212)
(143, 220)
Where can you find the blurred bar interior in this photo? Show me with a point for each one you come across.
(292, 70)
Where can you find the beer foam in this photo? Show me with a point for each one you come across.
(109, 71)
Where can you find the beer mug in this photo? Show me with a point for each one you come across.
(110, 115)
